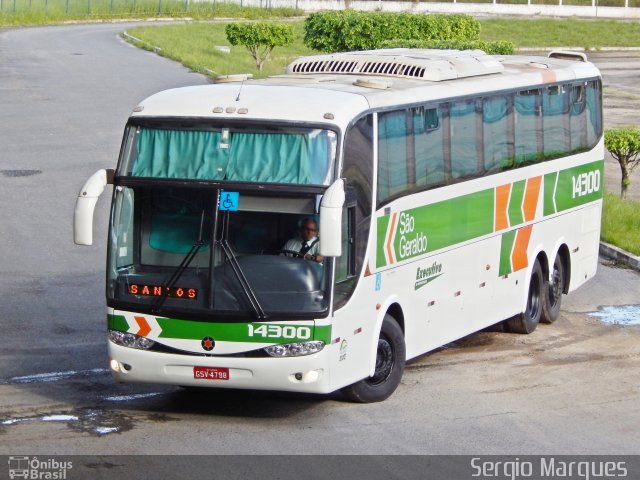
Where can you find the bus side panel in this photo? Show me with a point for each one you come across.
(477, 278)
(585, 260)
(461, 291)
(354, 334)
(468, 295)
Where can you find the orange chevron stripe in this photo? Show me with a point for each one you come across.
(502, 202)
(391, 230)
(367, 271)
(519, 259)
(530, 202)
(144, 326)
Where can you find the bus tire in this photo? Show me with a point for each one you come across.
(527, 321)
(552, 293)
(390, 360)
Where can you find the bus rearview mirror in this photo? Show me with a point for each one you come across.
(86, 204)
(331, 220)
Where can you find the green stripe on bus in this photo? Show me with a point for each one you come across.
(232, 332)
(579, 185)
(549, 190)
(457, 220)
(575, 186)
(515, 203)
(431, 227)
(189, 330)
(449, 222)
(383, 224)
(117, 322)
(506, 247)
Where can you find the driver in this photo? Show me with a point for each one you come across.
(307, 244)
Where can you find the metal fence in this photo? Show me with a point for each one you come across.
(91, 7)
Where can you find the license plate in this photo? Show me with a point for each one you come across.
(210, 373)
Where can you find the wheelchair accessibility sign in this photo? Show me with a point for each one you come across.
(229, 201)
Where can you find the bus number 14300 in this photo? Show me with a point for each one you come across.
(279, 331)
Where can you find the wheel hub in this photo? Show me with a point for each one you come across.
(384, 362)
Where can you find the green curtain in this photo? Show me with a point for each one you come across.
(180, 154)
(269, 158)
(494, 109)
(256, 157)
(525, 102)
(392, 154)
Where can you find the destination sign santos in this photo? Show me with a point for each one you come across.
(158, 290)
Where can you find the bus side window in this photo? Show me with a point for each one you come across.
(429, 152)
(578, 117)
(411, 150)
(497, 118)
(345, 265)
(392, 154)
(345, 279)
(358, 170)
(464, 154)
(528, 113)
(594, 111)
(555, 109)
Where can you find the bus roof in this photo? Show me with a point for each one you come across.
(335, 88)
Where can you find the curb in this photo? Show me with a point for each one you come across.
(614, 253)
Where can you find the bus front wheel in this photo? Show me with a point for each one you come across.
(390, 359)
(528, 320)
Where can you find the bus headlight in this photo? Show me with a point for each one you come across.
(295, 349)
(130, 340)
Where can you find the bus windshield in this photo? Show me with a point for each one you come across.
(290, 155)
(171, 251)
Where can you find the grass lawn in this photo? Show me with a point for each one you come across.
(621, 223)
(39, 12)
(570, 32)
(192, 44)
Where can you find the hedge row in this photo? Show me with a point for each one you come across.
(341, 31)
(502, 47)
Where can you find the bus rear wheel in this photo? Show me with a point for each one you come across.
(527, 321)
(552, 293)
(390, 360)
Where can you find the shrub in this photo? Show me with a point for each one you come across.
(340, 31)
(492, 48)
(624, 145)
(260, 38)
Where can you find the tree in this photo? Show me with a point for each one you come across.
(260, 38)
(624, 145)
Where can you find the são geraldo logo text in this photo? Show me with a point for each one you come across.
(411, 243)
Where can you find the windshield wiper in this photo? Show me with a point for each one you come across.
(244, 283)
(186, 261)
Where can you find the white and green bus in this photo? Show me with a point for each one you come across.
(453, 190)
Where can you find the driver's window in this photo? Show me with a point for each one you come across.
(345, 264)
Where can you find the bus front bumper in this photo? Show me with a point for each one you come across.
(296, 374)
